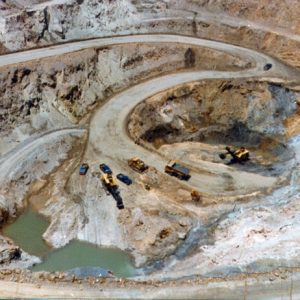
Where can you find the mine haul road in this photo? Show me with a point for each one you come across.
(14, 158)
(107, 127)
(108, 134)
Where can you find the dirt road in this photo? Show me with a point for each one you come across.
(15, 157)
(108, 135)
(108, 126)
(279, 70)
(108, 123)
(258, 287)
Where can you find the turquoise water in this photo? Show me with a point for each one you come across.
(81, 254)
(27, 232)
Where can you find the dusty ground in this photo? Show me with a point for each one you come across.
(59, 111)
(251, 286)
(63, 90)
(271, 28)
(57, 104)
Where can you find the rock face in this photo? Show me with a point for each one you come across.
(4, 213)
(34, 93)
(278, 13)
(224, 111)
(7, 254)
(28, 25)
(154, 234)
(12, 256)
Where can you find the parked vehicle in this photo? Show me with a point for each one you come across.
(267, 67)
(83, 169)
(112, 187)
(196, 197)
(124, 178)
(137, 165)
(109, 182)
(105, 168)
(177, 170)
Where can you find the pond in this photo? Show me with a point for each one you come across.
(27, 232)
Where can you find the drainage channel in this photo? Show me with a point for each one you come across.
(84, 258)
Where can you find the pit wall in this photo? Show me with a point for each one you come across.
(58, 93)
(277, 13)
(45, 25)
(34, 95)
(215, 111)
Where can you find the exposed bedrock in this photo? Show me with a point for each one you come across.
(61, 91)
(235, 112)
(27, 25)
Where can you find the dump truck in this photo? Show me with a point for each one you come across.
(177, 170)
(112, 187)
(240, 155)
(137, 165)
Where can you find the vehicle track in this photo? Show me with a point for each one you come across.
(121, 105)
(279, 69)
(16, 156)
(109, 122)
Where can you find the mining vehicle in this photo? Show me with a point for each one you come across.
(196, 197)
(83, 169)
(105, 168)
(109, 182)
(267, 67)
(124, 178)
(177, 170)
(137, 165)
(240, 155)
(111, 186)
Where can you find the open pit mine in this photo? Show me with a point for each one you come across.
(150, 149)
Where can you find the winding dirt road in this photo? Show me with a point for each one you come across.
(108, 135)
(108, 126)
(18, 155)
(279, 70)
(107, 129)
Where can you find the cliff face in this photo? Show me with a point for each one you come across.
(231, 111)
(46, 96)
(276, 13)
(26, 26)
(32, 94)
(260, 25)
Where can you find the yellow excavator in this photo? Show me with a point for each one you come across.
(109, 181)
(137, 165)
(112, 187)
(240, 155)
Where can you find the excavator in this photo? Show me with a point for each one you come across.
(111, 186)
(137, 165)
(240, 155)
